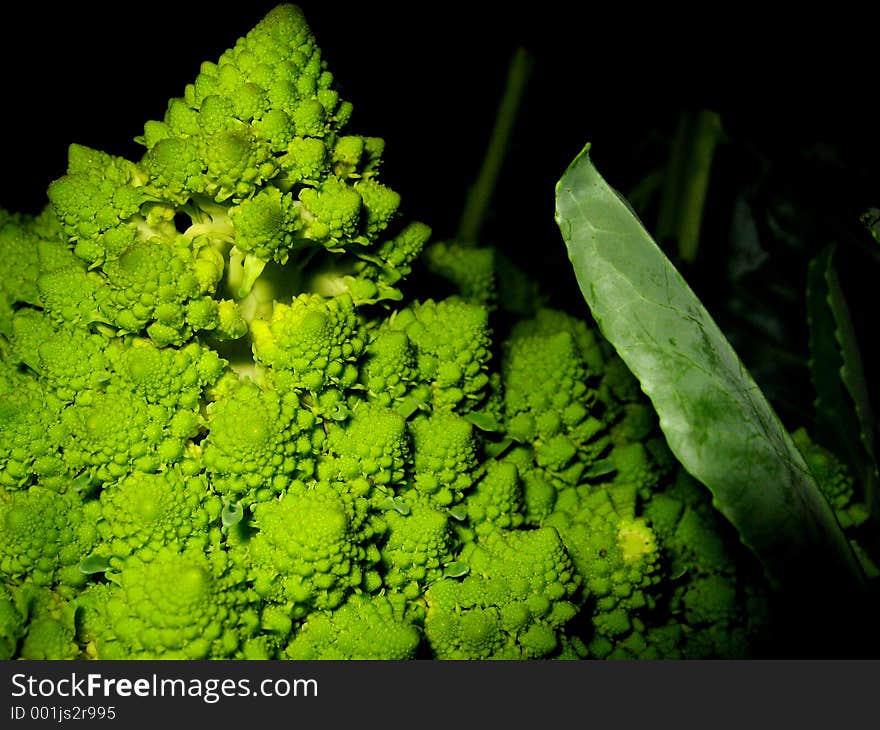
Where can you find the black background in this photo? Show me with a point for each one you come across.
(427, 77)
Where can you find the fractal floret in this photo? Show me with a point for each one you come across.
(249, 410)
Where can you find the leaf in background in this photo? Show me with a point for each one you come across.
(756, 306)
(715, 418)
(747, 255)
(871, 221)
(844, 421)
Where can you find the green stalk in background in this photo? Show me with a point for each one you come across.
(686, 181)
(480, 193)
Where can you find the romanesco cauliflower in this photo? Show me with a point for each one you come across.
(213, 376)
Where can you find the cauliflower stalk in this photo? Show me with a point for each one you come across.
(229, 430)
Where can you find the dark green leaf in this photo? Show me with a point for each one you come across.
(844, 419)
(715, 418)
